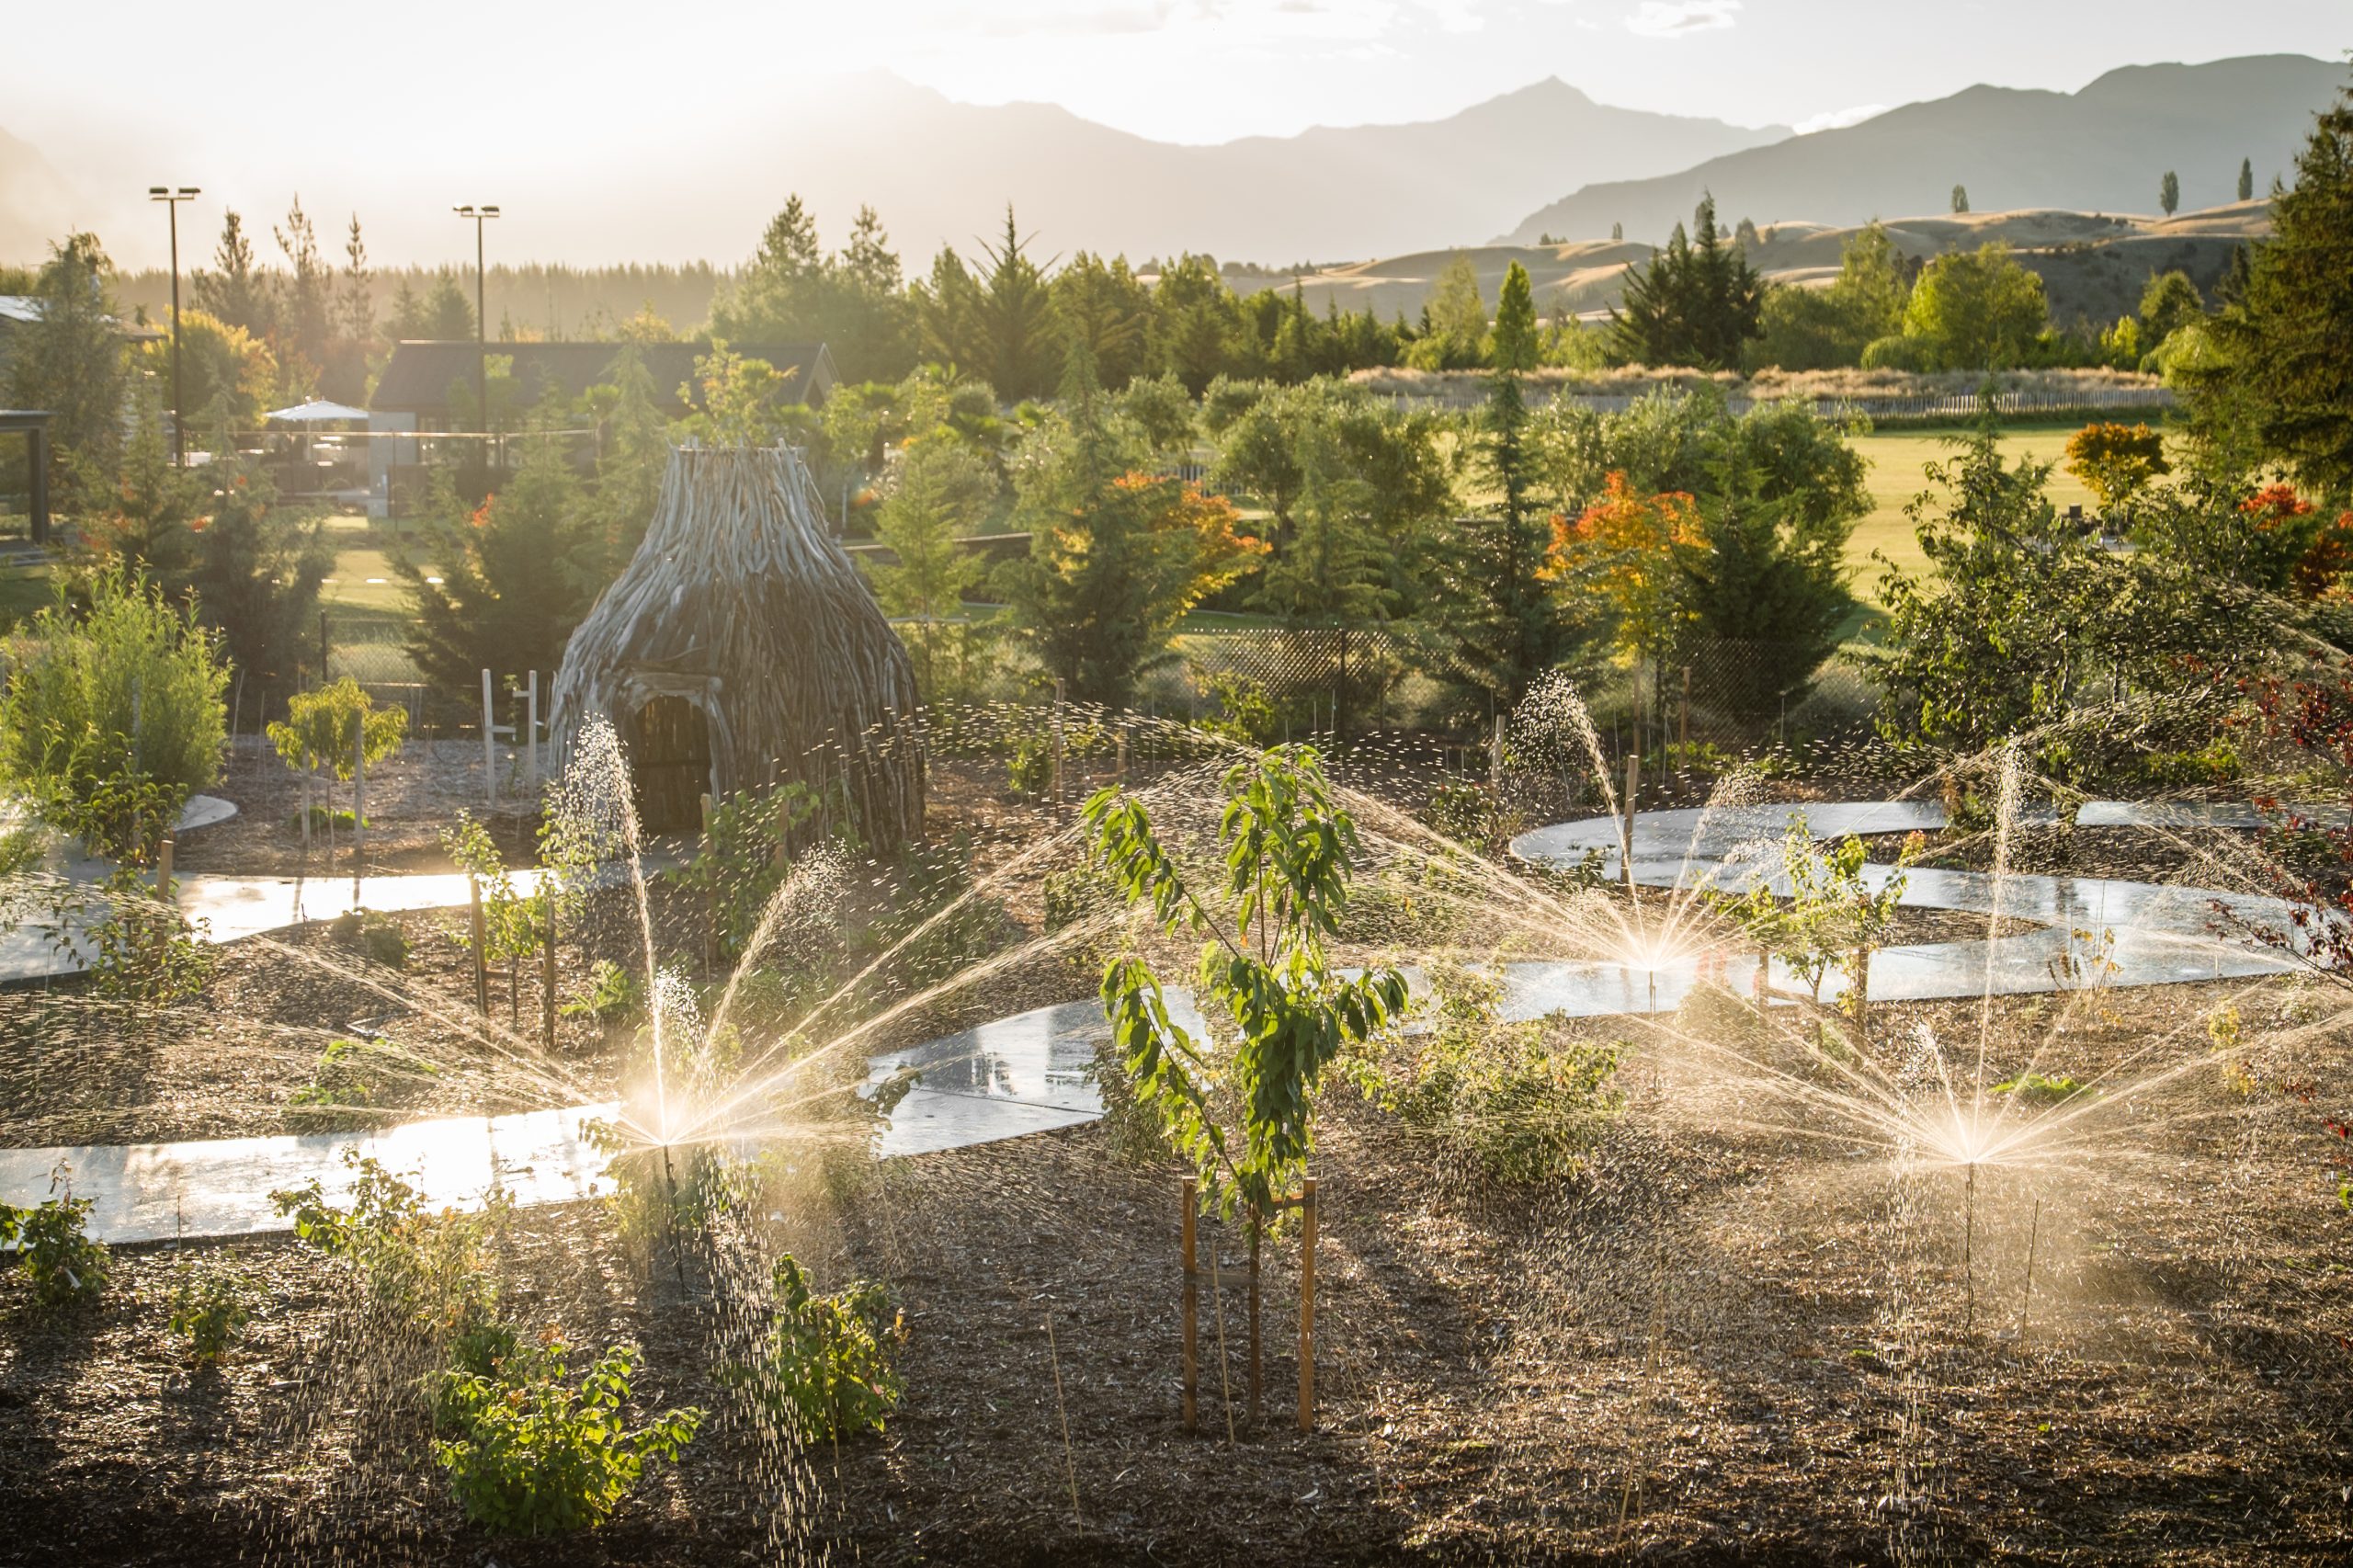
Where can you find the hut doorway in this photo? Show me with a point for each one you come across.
(670, 765)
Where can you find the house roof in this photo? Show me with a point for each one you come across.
(417, 378)
(26, 308)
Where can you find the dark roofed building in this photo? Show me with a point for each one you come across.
(418, 378)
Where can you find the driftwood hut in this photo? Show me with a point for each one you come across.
(740, 650)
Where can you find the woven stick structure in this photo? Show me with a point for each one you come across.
(740, 649)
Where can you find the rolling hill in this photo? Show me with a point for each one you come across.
(2102, 149)
(2093, 265)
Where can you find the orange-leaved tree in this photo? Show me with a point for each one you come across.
(2116, 460)
(1626, 545)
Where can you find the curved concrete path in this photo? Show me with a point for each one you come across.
(1028, 1072)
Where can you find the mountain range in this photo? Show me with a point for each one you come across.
(2101, 149)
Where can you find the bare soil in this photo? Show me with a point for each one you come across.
(1725, 1342)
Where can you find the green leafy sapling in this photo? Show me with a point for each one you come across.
(1265, 977)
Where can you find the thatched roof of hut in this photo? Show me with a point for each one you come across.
(740, 649)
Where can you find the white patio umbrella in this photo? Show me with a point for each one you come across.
(318, 411)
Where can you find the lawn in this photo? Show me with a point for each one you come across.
(1896, 458)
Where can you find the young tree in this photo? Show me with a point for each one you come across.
(939, 489)
(256, 572)
(1017, 318)
(138, 517)
(1513, 347)
(1456, 335)
(2169, 193)
(1283, 1013)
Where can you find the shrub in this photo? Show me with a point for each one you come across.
(375, 937)
(747, 854)
(428, 1272)
(115, 717)
(826, 1372)
(536, 1454)
(613, 995)
(63, 1266)
(207, 1309)
(2115, 461)
(2042, 1089)
(348, 1084)
(139, 949)
(1522, 1102)
(1895, 353)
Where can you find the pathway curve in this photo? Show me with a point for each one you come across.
(1028, 1072)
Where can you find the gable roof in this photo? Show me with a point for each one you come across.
(417, 378)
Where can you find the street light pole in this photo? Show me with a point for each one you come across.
(171, 199)
(481, 215)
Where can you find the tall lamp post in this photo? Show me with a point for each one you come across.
(480, 215)
(171, 199)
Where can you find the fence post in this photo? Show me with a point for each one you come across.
(1307, 1304)
(489, 747)
(1495, 759)
(1190, 1189)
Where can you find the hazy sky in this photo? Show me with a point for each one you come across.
(489, 88)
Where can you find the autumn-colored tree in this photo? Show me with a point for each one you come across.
(1625, 544)
(2116, 460)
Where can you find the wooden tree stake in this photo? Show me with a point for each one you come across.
(547, 974)
(1190, 1190)
(1257, 1366)
(489, 748)
(482, 967)
(1307, 1305)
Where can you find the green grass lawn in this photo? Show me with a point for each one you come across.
(1896, 458)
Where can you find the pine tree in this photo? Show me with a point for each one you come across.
(1696, 305)
(1017, 316)
(2288, 351)
(233, 290)
(1491, 612)
(1514, 343)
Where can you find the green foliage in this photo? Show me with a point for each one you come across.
(337, 725)
(504, 601)
(852, 301)
(1245, 714)
(1493, 613)
(536, 1454)
(428, 1274)
(2169, 193)
(1519, 1103)
(1831, 916)
(70, 362)
(1454, 333)
(1820, 329)
(2282, 382)
(747, 854)
(207, 1309)
(2042, 1089)
(2170, 302)
(941, 488)
(255, 570)
(1118, 557)
(64, 1266)
(826, 1370)
(1697, 303)
(614, 995)
(1513, 346)
(116, 717)
(1976, 310)
(131, 945)
(358, 1083)
(376, 937)
(1264, 967)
